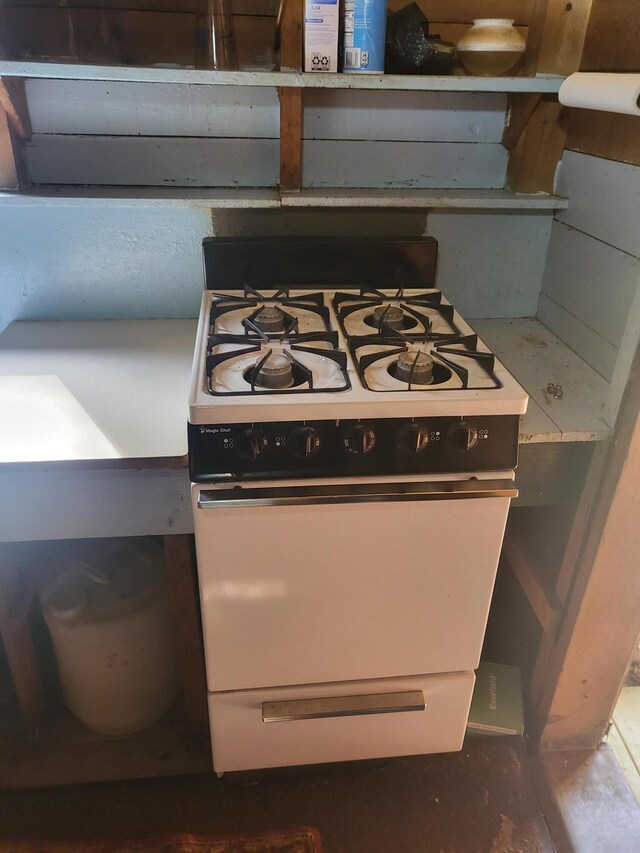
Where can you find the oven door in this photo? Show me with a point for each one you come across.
(304, 584)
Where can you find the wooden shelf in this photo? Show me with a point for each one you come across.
(70, 196)
(68, 753)
(422, 198)
(537, 357)
(543, 83)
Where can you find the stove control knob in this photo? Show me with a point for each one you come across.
(360, 439)
(463, 436)
(304, 441)
(413, 438)
(250, 443)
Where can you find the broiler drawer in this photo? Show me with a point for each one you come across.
(339, 722)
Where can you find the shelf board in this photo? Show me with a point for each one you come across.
(68, 753)
(537, 357)
(70, 196)
(544, 83)
(461, 199)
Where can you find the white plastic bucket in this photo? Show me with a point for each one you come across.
(105, 606)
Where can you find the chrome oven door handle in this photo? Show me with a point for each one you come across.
(343, 706)
(360, 493)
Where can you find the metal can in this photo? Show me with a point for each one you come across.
(365, 23)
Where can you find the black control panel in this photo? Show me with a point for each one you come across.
(292, 449)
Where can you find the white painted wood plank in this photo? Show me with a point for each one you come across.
(403, 164)
(600, 353)
(590, 279)
(238, 197)
(125, 387)
(101, 262)
(136, 109)
(90, 504)
(145, 198)
(537, 357)
(626, 353)
(491, 265)
(605, 199)
(156, 161)
(407, 116)
(67, 71)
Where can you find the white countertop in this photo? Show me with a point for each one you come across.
(94, 390)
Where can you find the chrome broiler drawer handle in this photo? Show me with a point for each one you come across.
(359, 493)
(343, 706)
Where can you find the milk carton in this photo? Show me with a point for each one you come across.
(321, 22)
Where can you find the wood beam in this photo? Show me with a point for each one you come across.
(291, 121)
(13, 171)
(521, 107)
(13, 100)
(616, 137)
(556, 34)
(543, 602)
(535, 156)
(185, 613)
(291, 100)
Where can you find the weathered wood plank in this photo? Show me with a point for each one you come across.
(605, 199)
(592, 280)
(557, 37)
(534, 158)
(536, 357)
(449, 83)
(418, 117)
(598, 352)
(14, 103)
(161, 161)
(612, 41)
(423, 199)
(291, 119)
(542, 601)
(182, 588)
(491, 264)
(615, 137)
(565, 29)
(94, 504)
(403, 164)
(71, 754)
(461, 11)
(521, 108)
(135, 109)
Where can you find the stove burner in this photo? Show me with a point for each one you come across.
(269, 319)
(391, 317)
(275, 372)
(414, 366)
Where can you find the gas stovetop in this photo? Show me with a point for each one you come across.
(309, 373)
(284, 353)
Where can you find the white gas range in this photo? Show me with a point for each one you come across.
(352, 447)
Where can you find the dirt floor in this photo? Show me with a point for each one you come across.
(480, 800)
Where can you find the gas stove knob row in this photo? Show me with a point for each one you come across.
(463, 436)
(304, 441)
(360, 439)
(251, 443)
(413, 438)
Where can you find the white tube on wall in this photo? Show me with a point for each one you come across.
(612, 93)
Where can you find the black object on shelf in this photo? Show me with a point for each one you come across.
(410, 49)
